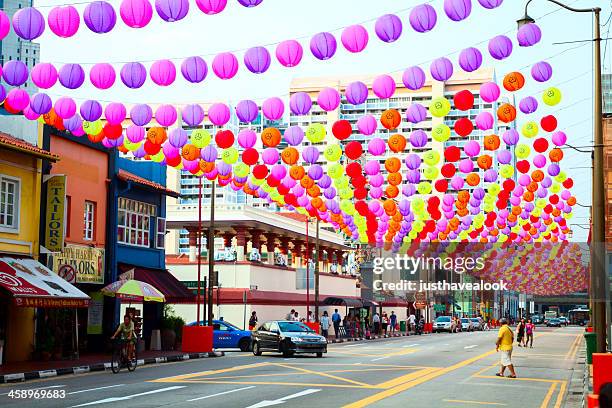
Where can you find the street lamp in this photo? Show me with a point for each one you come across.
(598, 269)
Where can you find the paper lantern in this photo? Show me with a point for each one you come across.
(293, 135)
(135, 134)
(65, 107)
(115, 113)
(388, 28)
(463, 100)
(323, 46)
(136, 13)
(28, 23)
(247, 111)
(383, 86)
(484, 120)
(559, 138)
(490, 4)
(463, 127)
(414, 78)
(514, 81)
(376, 146)
(500, 47)
(99, 17)
(141, 114)
(551, 96)
(91, 110)
(418, 138)
(356, 93)
(390, 119)
(397, 143)
(166, 115)
(300, 103)
(439, 107)
(73, 123)
(194, 69)
(250, 3)
(549, 123)
(529, 35)
(315, 133)
(257, 60)
(423, 18)
(489, 92)
(530, 129)
(273, 108)
(133, 75)
(541, 71)
(112, 131)
(44, 75)
(342, 129)
(40, 103)
(179, 138)
(441, 133)
(163, 72)
(199, 137)
(71, 76)
(219, 114)
(416, 113)
(328, 99)
(491, 142)
(367, 125)
(289, 53)
(270, 137)
(64, 21)
(15, 73)
(470, 59)
(102, 76)
(354, 38)
(225, 65)
(211, 7)
(506, 113)
(457, 10)
(510, 137)
(528, 105)
(5, 25)
(353, 150)
(172, 10)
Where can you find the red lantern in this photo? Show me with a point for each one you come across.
(260, 171)
(522, 166)
(112, 131)
(224, 139)
(549, 123)
(173, 161)
(353, 150)
(342, 129)
(250, 156)
(151, 148)
(509, 185)
(360, 193)
(463, 127)
(464, 100)
(448, 170)
(452, 154)
(353, 169)
(540, 145)
(441, 185)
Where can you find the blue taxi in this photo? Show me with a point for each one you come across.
(226, 335)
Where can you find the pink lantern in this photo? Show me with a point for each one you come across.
(225, 65)
(18, 99)
(355, 38)
(115, 113)
(559, 138)
(30, 114)
(367, 125)
(273, 108)
(163, 72)
(65, 107)
(64, 21)
(328, 99)
(289, 53)
(165, 115)
(219, 114)
(247, 138)
(484, 121)
(466, 166)
(376, 146)
(136, 13)
(211, 7)
(102, 75)
(383, 86)
(5, 25)
(471, 148)
(489, 92)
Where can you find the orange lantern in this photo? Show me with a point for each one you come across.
(571, 201)
(462, 212)
(296, 172)
(485, 162)
(270, 137)
(394, 178)
(506, 113)
(397, 143)
(393, 164)
(537, 176)
(49, 117)
(514, 81)
(397, 217)
(206, 167)
(463, 196)
(96, 138)
(314, 190)
(122, 149)
(532, 187)
(491, 142)
(555, 155)
(157, 135)
(189, 152)
(390, 119)
(390, 207)
(472, 179)
(528, 196)
(306, 182)
(391, 191)
(290, 155)
(317, 202)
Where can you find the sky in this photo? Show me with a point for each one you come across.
(237, 29)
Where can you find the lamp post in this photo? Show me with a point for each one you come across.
(598, 221)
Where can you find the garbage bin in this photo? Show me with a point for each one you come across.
(591, 343)
(403, 326)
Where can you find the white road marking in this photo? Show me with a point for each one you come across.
(411, 345)
(220, 393)
(129, 397)
(267, 403)
(354, 345)
(379, 358)
(470, 347)
(95, 389)
(37, 388)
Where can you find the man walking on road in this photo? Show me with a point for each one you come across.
(336, 319)
(505, 338)
(411, 321)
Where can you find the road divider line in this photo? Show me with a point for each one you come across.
(297, 384)
(95, 389)
(221, 393)
(178, 378)
(549, 395)
(471, 347)
(561, 394)
(405, 378)
(323, 374)
(267, 403)
(473, 402)
(379, 358)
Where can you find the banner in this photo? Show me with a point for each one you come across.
(54, 222)
(80, 264)
(95, 313)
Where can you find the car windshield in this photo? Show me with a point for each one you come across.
(475, 319)
(554, 320)
(232, 326)
(443, 319)
(294, 327)
(465, 321)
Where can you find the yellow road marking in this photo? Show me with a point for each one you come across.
(474, 402)
(548, 396)
(362, 365)
(522, 379)
(392, 354)
(298, 384)
(479, 372)
(322, 374)
(356, 369)
(405, 378)
(561, 394)
(574, 349)
(179, 378)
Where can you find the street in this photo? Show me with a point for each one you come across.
(439, 370)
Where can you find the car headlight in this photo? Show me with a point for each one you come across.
(295, 339)
(322, 338)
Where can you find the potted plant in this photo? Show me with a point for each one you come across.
(171, 329)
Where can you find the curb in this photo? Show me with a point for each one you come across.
(35, 375)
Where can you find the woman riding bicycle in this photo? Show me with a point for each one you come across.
(126, 331)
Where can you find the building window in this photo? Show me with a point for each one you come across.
(9, 203)
(89, 220)
(160, 237)
(134, 222)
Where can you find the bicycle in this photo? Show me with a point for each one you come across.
(120, 356)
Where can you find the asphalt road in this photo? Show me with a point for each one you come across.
(439, 370)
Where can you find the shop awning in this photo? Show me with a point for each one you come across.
(31, 284)
(370, 303)
(342, 301)
(173, 290)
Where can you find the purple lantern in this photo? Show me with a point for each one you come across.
(193, 114)
(91, 110)
(504, 156)
(5, 25)
(458, 10)
(490, 4)
(250, 3)
(28, 23)
(141, 114)
(413, 176)
(541, 71)
(133, 75)
(18, 99)
(354, 38)
(489, 92)
(225, 65)
(99, 17)
(528, 105)
(414, 78)
(247, 111)
(65, 107)
(15, 73)
(209, 153)
(310, 154)
(356, 93)
(383, 86)
(418, 138)
(41, 103)
(73, 123)
(528, 35)
(511, 137)
(172, 10)
(367, 125)
(163, 72)
(500, 47)
(71, 76)
(273, 108)
(416, 113)
(328, 99)
(219, 114)
(166, 115)
(102, 75)
(300, 103)
(257, 60)
(413, 161)
(293, 135)
(64, 21)
(423, 18)
(470, 59)
(115, 113)
(178, 137)
(289, 53)
(388, 28)
(441, 69)
(194, 69)
(211, 7)
(323, 46)
(136, 13)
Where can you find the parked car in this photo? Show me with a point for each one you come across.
(444, 323)
(466, 324)
(537, 319)
(553, 323)
(564, 320)
(478, 323)
(227, 335)
(288, 338)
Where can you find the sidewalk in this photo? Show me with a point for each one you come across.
(30, 370)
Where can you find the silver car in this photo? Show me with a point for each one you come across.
(466, 324)
(478, 323)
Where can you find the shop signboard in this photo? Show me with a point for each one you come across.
(55, 216)
(80, 264)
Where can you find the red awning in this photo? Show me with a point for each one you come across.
(394, 302)
(235, 296)
(31, 284)
(173, 290)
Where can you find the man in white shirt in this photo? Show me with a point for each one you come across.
(376, 322)
(411, 321)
